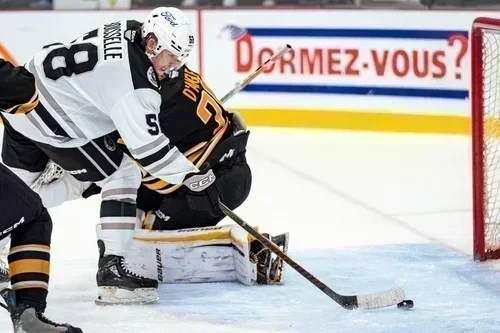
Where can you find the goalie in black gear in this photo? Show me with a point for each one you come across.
(213, 140)
(27, 221)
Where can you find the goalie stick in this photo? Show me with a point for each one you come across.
(382, 299)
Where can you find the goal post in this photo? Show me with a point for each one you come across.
(485, 105)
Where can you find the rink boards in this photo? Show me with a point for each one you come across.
(391, 71)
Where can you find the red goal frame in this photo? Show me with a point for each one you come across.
(477, 104)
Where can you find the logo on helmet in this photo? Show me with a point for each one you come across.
(170, 18)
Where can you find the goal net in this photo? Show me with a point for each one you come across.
(485, 102)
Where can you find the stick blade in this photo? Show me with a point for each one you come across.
(382, 299)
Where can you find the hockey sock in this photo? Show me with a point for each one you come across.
(29, 261)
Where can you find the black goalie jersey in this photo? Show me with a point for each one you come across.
(192, 118)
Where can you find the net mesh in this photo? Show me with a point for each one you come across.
(491, 128)
(52, 172)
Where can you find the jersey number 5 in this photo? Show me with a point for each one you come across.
(152, 122)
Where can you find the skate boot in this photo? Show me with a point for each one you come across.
(270, 268)
(29, 318)
(4, 272)
(117, 284)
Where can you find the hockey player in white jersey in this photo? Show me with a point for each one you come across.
(105, 80)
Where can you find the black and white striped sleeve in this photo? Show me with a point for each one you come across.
(136, 118)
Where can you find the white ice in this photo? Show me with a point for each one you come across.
(365, 211)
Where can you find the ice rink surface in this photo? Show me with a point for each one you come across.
(365, 212)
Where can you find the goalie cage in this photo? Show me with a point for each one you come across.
(485, 103)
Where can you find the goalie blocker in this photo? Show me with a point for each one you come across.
(212, 254)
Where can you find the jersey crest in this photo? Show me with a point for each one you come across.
(152, 77)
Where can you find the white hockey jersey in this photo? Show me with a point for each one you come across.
(101, 82)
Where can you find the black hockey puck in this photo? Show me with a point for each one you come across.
(406, 304)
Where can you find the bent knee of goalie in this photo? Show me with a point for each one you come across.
(235, 184)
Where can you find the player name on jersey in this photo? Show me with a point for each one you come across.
(112, 41)
(192, 85)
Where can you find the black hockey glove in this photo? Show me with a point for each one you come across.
(203, 193)
(91, 190)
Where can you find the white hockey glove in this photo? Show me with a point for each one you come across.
(203, 191)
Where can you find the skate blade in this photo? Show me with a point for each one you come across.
(119, 296)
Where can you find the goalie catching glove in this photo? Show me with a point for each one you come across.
(203, 192)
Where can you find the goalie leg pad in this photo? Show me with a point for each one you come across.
(212, 254)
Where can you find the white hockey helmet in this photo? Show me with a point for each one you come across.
(172, 29)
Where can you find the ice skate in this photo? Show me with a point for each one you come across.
(29, 318)
(117, 284)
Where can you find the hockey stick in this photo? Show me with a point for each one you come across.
(269, 62)
(382, 299)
